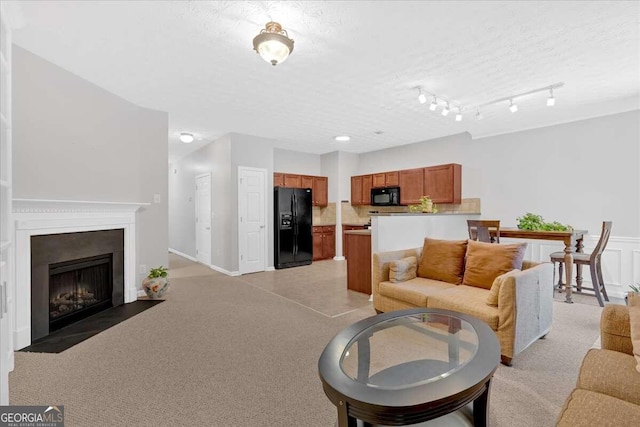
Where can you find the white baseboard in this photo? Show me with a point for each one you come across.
(189, 257)
(141, 293)
(270, 269)
(223, 271)
(338, 258)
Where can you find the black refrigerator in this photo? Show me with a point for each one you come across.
(293, 240)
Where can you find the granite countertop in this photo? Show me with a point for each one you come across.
(353, 224)
(323, 224)
(364, 232)
(421, 213)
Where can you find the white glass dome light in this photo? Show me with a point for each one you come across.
(186, 137)
(273, 44)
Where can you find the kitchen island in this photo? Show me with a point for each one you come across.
(393, 231)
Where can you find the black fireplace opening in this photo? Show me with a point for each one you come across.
(79, 288)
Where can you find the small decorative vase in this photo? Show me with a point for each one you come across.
(155, 287)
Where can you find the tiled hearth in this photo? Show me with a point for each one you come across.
(48, 217)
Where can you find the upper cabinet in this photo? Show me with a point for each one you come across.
(443, 183)
(411, 186)
(361, 189)
(319, 185)
(385, 179)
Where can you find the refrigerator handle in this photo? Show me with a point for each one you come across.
(294, 211)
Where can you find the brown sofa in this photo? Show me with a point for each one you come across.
(523, 313)
(608, 389)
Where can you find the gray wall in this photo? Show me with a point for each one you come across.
(296, 162)
(222, 158)
(579, 173)
(75, 141)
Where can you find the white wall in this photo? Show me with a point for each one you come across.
(580, 173)
(295, 162)
(75, 141)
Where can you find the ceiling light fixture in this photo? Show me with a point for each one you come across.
(342, 138)
(513, 107)
(551, 101)
(273, 43)
(459, 115)
(434, 104)
(186, 137)
(446, 110)
(422, 98)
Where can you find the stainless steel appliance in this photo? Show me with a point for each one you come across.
(293, 241)
(389, 196)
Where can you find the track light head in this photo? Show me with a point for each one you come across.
(422, 99)
(459, 115)
(551, 100)
(513, 107)
(446, 109)
(434, 104)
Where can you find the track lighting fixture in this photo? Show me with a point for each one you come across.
(551, 101)
(434, 104)
(421, 98)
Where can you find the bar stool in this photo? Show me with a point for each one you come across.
(593, 260)
(482, 230)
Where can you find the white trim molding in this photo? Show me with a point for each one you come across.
(183, 255)
(33, 217)
(223, 271)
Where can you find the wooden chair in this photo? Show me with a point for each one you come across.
(484, 230)
(593, 260)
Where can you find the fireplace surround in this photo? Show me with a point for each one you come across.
(38, 217)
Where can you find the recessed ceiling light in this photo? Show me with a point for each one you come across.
(186, 137)
(342, 138)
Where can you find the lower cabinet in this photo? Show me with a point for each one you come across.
(324, 242)
(346, 227)
(358, 244)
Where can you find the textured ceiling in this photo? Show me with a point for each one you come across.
(353, 68)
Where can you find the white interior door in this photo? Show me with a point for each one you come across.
(203, 218)
(251, 219)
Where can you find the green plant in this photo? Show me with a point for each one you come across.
(531, 221)
(157, 272)
(635, 288)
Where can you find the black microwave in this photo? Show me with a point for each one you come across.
(389, 196)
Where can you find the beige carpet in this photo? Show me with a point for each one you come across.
(223, 351)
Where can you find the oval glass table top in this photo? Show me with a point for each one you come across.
(409, 351)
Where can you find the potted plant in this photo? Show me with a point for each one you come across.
(156, 283)
(426, 204)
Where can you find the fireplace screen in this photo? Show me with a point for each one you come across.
(78, 289)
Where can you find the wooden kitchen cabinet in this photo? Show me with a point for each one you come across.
(306, 181)
(349, 228)
(443, 183)
(320, 191)
(367, 182)
(359, 263)
(278, 179)
(356, 190)
(324, 242)
(293, 181)
(385, 179)
(411, 186)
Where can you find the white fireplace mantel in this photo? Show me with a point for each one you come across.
(40, 216)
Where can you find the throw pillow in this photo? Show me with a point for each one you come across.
(443, 260)
(634, 317)
(486, 261)
(492, 298)
(403, 269)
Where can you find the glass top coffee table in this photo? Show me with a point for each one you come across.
(410, 366)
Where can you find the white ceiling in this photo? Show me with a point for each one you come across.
(354, 66)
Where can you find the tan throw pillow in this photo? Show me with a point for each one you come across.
(634, 317)
(492, 298)
(443, 260)
(486, 261)
(403, 269)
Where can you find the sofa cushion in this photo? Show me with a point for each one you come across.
(486, 261)
(403, 269)
(414, 291)
(492, 296)
(466, 299)
(612, 373)
(584, 408)
(443, 260)
(634, 320)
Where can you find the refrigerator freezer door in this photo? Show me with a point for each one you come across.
(304, 241)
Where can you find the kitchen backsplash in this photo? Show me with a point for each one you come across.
(360, 214)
